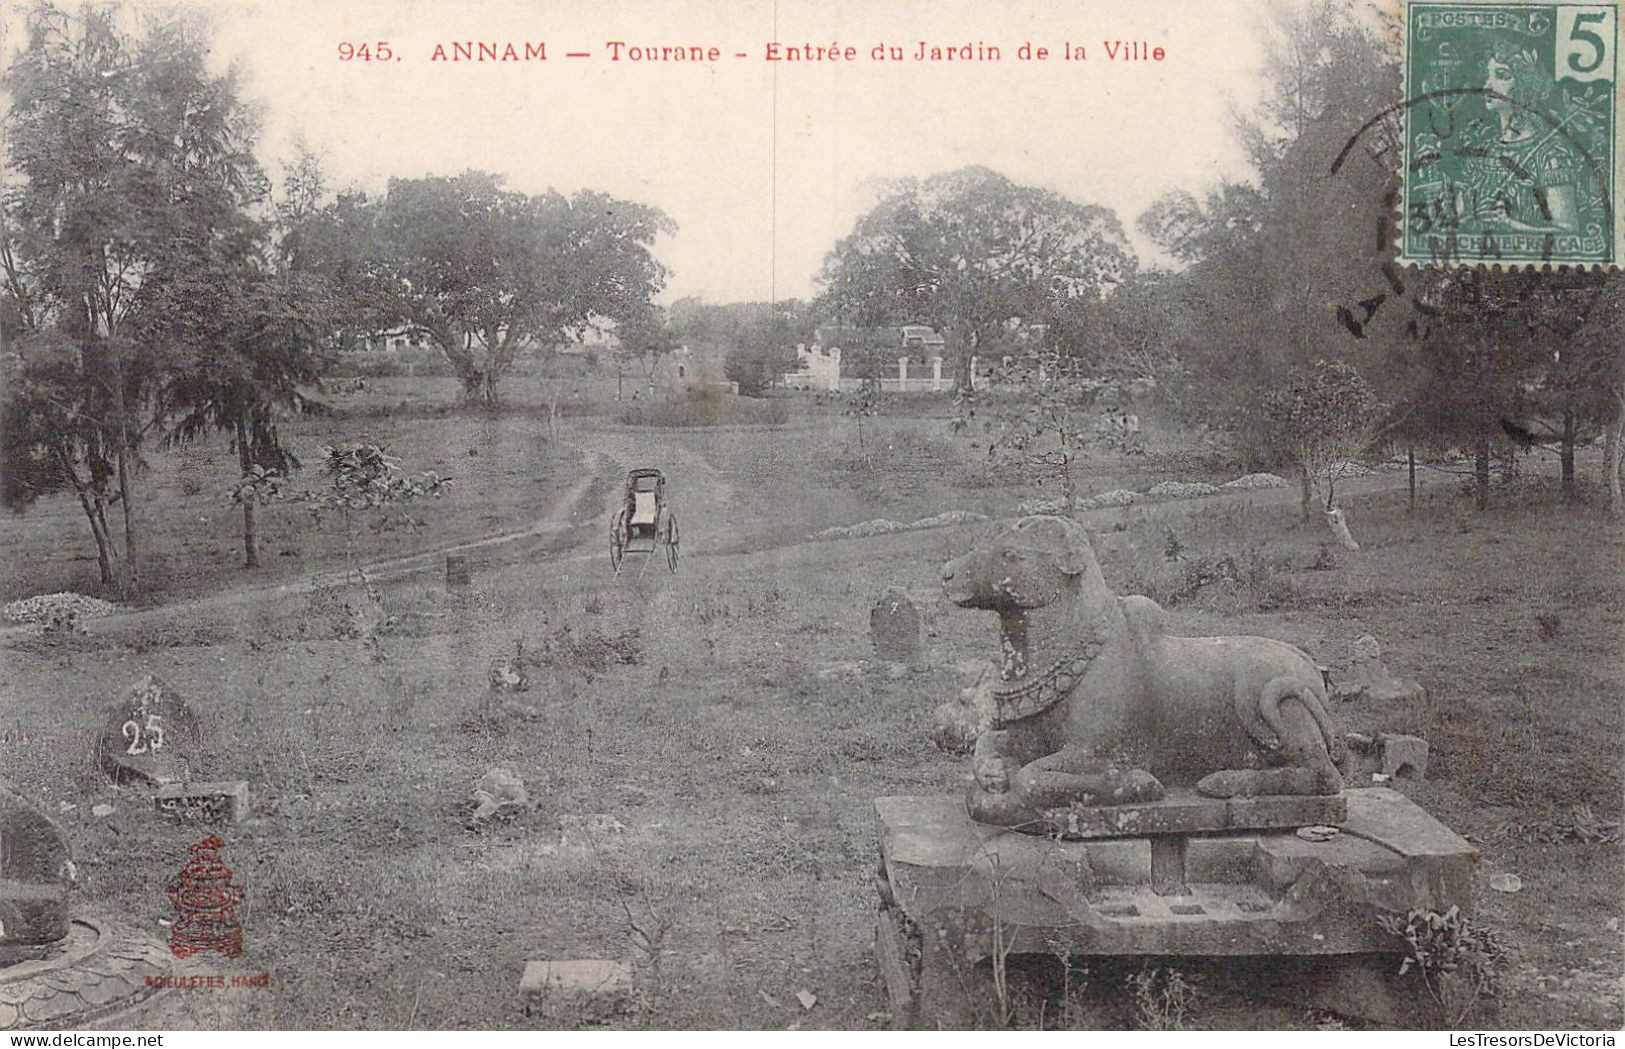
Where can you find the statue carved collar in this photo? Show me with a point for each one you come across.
(1037, 694)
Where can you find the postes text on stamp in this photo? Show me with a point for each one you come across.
(1511, 138)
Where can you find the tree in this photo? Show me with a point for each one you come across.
(865, 356)
(487, 273)
(1598, 376)
(1485, 352)
(646, 339)
(363, 478)
(54, 438)
(1133, 334)
(263, 344)
(1295, 266)
(1581, 393)
(1325, 420)
(253, 323)
(134, 163)
(968, 251)
(1047, 430)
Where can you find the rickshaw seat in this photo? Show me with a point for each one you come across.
(644, 509)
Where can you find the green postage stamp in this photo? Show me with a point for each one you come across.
(1512, 138)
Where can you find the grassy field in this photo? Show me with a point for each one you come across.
(704, 748)
(505, 472)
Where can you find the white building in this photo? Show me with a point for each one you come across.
(817, 369)
(819, 365)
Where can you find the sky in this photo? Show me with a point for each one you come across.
(763, 165)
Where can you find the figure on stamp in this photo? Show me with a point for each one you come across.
(1522, 175)
(1096, 704)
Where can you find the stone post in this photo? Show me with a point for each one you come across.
(894, 626)
(902, 374)
(973, 372)
(936, 374)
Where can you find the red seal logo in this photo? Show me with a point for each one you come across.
(205, 904)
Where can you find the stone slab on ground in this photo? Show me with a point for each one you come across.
(593, 987)
(1184, 811)
(1228, 893)
(203, 801)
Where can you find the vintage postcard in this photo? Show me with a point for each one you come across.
(795, 515)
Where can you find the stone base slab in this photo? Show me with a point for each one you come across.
(1222, 893)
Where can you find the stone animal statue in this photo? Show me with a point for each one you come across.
(1095, 703)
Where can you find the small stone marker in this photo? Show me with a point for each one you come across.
(213, 801)
(596, 987)
(894, 626)
(1404, 755)
(1385, 756)
(1369, 678)
(150, 736)
(458, 572)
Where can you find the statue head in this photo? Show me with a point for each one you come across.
(1026, 566)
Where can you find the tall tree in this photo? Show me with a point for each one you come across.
(134, 161)
(967, 252)
(487, 273)
(253, 323)
(1283, 269)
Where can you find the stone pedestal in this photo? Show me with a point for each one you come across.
(963, 891)
(34, 877)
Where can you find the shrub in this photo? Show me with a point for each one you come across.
(1456, 961)
(1161, 998)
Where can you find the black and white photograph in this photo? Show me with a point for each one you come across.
(800, 516)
